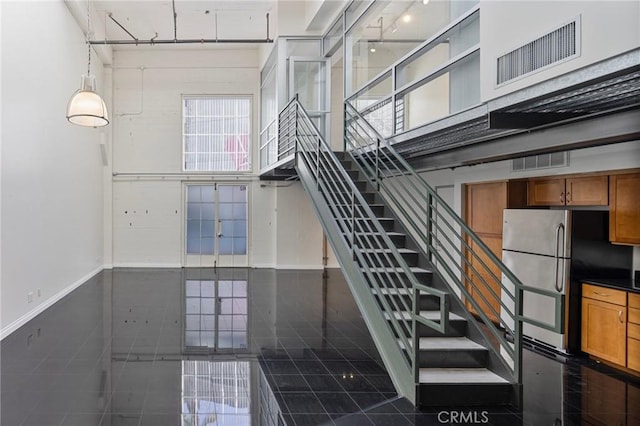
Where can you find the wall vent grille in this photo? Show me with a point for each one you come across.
(541, 161)
(549, 49)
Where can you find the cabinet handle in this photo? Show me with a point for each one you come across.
(568, 197)
(620, 316)
(562, 197)
(601, 294)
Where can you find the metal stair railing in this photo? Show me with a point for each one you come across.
(368, 243)
(458, 255)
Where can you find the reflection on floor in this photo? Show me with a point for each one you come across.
(249, 347)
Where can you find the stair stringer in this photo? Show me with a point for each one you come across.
(392, 355)
(456, 304)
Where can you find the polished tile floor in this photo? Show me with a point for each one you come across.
(249, 347)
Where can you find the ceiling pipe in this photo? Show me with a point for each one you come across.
(154, 40)
(175, 21)
(185, 41)
(121, 26)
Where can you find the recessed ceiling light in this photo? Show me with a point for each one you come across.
(406, 18)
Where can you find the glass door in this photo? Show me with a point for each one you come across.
(216, 225)
(310, 79)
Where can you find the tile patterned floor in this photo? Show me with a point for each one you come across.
(139, 347)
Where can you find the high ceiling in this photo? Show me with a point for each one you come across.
(146, 20)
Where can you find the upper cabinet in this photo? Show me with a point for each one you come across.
(573, 191)
(624, 209)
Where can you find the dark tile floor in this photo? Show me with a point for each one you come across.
(249, 347)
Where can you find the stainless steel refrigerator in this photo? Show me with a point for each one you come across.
(536, 247)
(553, 250)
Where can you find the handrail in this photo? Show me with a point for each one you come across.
(361, 232)
(459, 256)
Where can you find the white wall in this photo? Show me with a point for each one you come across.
(608, 28)
(299, 238)
(52, 182)
(148, 217)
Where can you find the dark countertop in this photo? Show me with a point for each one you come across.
(626, 284)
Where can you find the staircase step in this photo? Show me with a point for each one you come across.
(432, 315)
(396, 237)
(459, 375)
(475, 386)
(387, 223)
(395, 273)
(384, 257)
(457, 324)
(451, 352)
(376, 208)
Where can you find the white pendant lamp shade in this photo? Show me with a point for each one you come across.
(86, 107)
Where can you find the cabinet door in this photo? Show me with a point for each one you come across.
(604, 331)
(546, 192)
(624, 210)
(484, 205)
(587, 191)
(484, 287)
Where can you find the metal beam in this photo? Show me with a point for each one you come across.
(183, 41)
(602, 130)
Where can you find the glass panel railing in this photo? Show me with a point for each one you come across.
(450, 91)
(434, 55)
(390, 30)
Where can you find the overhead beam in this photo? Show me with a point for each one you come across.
(602, 130)
(180, 41)
(527, 120)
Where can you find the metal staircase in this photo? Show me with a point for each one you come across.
(404, 254)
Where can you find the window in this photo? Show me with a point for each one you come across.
(216, 133)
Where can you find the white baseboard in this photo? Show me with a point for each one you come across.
(263, 266)
(147, 265)
(6, 331)
(305, 267)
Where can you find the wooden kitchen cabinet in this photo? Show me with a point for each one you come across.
(624, 208)
(571, 191)
(483, 207)
(604, 323)
(545, 192)
(633, 332)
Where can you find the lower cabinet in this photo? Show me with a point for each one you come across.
(633, 332)
(604, 324)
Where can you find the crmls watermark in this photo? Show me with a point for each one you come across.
(463, 417)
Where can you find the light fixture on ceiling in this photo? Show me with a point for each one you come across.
(406, 18)
(86, 107)
(394, 28)
(372, 49)
(425, 1)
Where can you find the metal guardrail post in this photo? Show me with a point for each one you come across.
(416, 336)
(377, 164)
(429, 225)
(517, 338)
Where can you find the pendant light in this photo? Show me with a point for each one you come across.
(86, 107)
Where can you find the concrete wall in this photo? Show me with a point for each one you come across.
(52, 172)
(148, 217)
(608, 28)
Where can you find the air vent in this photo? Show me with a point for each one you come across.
(547, 50)
(542, 161)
